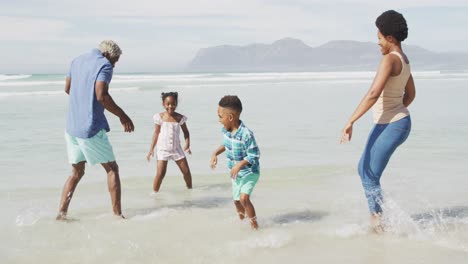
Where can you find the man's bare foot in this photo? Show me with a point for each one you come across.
(241, 215)
(61, 216)
(253, 223)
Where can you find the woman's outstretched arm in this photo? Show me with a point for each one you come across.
(381, 77)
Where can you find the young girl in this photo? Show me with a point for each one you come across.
(166, 139)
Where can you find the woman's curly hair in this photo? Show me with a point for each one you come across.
(392, 23)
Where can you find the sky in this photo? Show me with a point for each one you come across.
(43, 36)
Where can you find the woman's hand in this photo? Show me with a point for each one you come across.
(347, 133)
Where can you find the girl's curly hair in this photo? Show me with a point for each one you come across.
(173, 94)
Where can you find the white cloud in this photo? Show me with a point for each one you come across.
(168, 33)
(30, 29)
(135, 8)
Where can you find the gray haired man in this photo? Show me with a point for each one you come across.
(87, 85)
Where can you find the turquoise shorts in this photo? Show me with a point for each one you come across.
(94, 150)
(244, 184)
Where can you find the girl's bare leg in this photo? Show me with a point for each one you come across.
(185, 169)
(160, 173)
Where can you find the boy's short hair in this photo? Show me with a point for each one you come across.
(231, 102)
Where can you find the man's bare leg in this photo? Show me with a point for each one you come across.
(113, 184)
(78, 171)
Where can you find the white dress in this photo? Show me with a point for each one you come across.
(168, 145)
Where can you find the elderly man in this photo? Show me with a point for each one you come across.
(87, 85)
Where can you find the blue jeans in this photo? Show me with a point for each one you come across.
(382, 142)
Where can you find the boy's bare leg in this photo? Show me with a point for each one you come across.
(113, 184)
(249, 209)
(185, 169)
(160, 173)
(240, 209)
(78, 171)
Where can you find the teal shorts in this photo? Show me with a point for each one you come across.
(244, 184)
(94, 150)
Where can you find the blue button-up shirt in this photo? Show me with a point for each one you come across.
(85, 114)
(242, 146)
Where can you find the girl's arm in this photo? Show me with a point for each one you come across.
(157, 129)
(410, 92)
(381, 77)
(187, 137)
(214, 157)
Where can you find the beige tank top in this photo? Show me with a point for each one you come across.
(389, 106)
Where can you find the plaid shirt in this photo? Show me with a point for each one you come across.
(242, 146)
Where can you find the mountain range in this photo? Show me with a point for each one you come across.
(290, 54)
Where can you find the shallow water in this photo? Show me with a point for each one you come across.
(309, 200)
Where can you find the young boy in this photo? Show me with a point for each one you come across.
(242, 156)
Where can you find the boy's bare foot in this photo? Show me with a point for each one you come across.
(241, 215)
(253, 223)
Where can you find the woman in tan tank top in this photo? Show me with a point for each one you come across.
(391, 92)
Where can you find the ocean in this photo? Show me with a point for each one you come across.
(309, 199)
